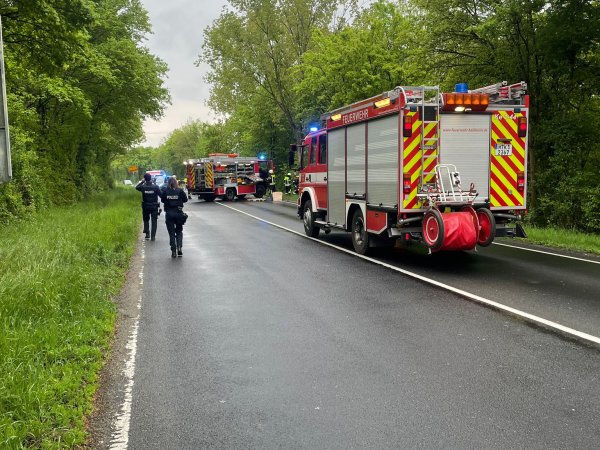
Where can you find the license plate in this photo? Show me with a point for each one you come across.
(503, 149)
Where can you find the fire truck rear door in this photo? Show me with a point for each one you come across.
(465, 142)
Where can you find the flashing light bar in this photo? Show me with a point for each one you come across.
(313, 129)
(459, 101)
(336, 117)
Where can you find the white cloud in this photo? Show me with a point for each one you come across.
(177, 39)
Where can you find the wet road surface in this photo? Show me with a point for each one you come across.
(258, 338)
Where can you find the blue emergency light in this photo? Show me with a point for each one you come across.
(313, 129)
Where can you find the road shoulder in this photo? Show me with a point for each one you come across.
(110, 396)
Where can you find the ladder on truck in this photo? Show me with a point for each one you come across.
(427, 97)
(503, 92)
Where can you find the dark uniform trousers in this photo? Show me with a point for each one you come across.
(150, 196)
(175, 228)
(150, 212)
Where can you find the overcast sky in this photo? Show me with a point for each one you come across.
(177, 40)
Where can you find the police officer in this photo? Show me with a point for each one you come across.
(150, 194)
(173, 198)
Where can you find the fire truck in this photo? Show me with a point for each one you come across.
(227, 176)
(445, 169)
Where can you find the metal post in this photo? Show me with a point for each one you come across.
(5, 166)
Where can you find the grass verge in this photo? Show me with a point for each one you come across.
(565, 239)
(58, 275)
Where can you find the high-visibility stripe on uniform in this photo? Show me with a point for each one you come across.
(208, 175)
(504, 169)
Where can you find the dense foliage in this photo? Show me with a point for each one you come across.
(276, 65)
(80, 83)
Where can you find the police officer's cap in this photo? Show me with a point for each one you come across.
(147, 177)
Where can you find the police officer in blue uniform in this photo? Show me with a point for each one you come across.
(173, 198)
(150, 195)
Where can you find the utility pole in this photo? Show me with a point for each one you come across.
(5, 166)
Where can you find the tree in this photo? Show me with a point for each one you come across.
(80, 82)
(251, 49)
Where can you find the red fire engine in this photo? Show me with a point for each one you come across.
(394, 166)
(227, 176)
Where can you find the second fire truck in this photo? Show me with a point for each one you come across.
(227, 176)
(445, 169)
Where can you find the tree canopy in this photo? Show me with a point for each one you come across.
(80, 82)
(277, 65)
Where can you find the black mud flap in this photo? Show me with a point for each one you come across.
(520, 230)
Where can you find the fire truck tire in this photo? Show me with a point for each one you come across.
(230, 194)
(242, 197)
(433, 229)
(308, 217)
(260, 191)
(360, 236)
(487, 227)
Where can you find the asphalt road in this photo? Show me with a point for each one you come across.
(259, 338)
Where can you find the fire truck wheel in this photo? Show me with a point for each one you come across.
(360, 236)
(487, 227)
(242, 197)
(308, 218)
(433, 229)
(260, 191)
(229, 194)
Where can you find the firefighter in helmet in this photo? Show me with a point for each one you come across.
(150, 195)
(173, 198)
(272, 181)
(287, 183)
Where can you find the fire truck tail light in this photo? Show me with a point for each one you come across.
(521, 181)
(408, 123)
(406, 183)
(522, 122)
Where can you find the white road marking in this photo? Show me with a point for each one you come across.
(522, 314)
(547, 253)
(122, 421)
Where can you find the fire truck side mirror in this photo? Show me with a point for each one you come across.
(292, 154)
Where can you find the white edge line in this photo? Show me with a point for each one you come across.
(477, 298)
(547, 253)
(122, 420)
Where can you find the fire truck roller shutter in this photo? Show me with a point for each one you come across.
(336, 182)
(355, 146)
(383, 161)
(465, 142)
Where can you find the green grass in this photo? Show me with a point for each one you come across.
(566, 239)
(290, 198)
(58, 275)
